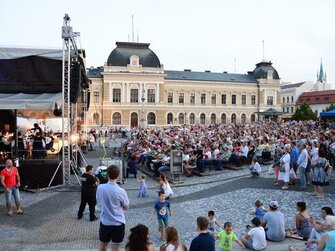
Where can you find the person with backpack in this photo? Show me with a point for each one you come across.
(101, 174)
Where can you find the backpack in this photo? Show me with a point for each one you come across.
(103, 176)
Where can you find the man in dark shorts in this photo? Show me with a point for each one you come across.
(113, 201)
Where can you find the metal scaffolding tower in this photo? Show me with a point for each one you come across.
(70, 55)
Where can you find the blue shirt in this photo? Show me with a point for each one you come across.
(294, 155)
(203, 242)
(162, 209)
(112, 199)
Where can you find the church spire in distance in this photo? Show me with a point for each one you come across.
(321, 77)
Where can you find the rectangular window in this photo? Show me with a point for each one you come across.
(117, 95)
(283, 109)
(181, 98)
(287, 109)
(283, 99)
(244, 99)
(292, 99)
(253, 99)
(192, 98)
(170, 98)
(213, 99)
(223, 99)
(292, 109)
(287, 99)
(203, 99)
(151, 96)
(96, 96)
(269, 100)
(134, 95)
(233, 99)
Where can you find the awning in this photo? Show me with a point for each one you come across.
(31, 105)
(327, 114)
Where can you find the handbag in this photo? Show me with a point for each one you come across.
(282, 167)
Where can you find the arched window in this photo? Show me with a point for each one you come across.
(243, 118)
(96, 119)
(233, 118)
(192, 118)
(202, 118)
(169, 118)
(213, 118)
(134, 120)
(181, 118)
(223, 118)
(253, 118)
(116, 118)
(151, 118)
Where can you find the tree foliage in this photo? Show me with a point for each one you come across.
(304, 112)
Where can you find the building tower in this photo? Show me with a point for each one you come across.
(321, 80)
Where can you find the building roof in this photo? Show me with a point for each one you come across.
(295, 85)
(262, 69)
(317, 97)
(95, 72)
(120, 56)
(210, 76)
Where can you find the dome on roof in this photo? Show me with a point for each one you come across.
(120, 56)
(263, 68)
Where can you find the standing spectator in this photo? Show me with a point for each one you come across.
(88, 196)
(302, 163)
(172, 241)
(320, 177)
(273, 222)
(10, 180)
(294, 154)
(138, 239)
(91, 141)
(162, 208)
(204, 241)
(113, 201)
(143, 191)
(284, 174)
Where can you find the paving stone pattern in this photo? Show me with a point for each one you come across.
(50, 221)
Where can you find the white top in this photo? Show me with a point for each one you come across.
(258, 238)
(167, 189)
(257, 167)
(170, 247)
(245, 150)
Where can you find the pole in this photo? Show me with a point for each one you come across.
(16, 136)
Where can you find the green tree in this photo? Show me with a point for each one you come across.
(304, 112)
(330, 107)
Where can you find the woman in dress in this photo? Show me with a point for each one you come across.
(320, 177)
(172, 241)
(138, 239)
(284, 174)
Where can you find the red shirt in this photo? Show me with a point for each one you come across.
(10, 176)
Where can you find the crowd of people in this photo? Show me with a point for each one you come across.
(298, 149)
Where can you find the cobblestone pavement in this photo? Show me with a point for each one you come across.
(50, 221)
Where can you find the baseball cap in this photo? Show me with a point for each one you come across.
(274, 204)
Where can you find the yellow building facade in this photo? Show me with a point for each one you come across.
(133, 89)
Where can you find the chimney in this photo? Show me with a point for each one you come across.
(207, 71)
(187, 70)
(225, 72)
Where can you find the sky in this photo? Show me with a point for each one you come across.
(185, 34)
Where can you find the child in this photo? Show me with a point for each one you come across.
(143, 192)
(255, 168)
(255, 239)
(212, 222)
(162, 207)
(259, 210)
(227, 236)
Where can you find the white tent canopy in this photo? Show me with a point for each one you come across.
(31, 105)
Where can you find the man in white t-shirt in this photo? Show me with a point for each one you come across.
(255, 239)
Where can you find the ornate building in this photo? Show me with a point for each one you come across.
(133, 89)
